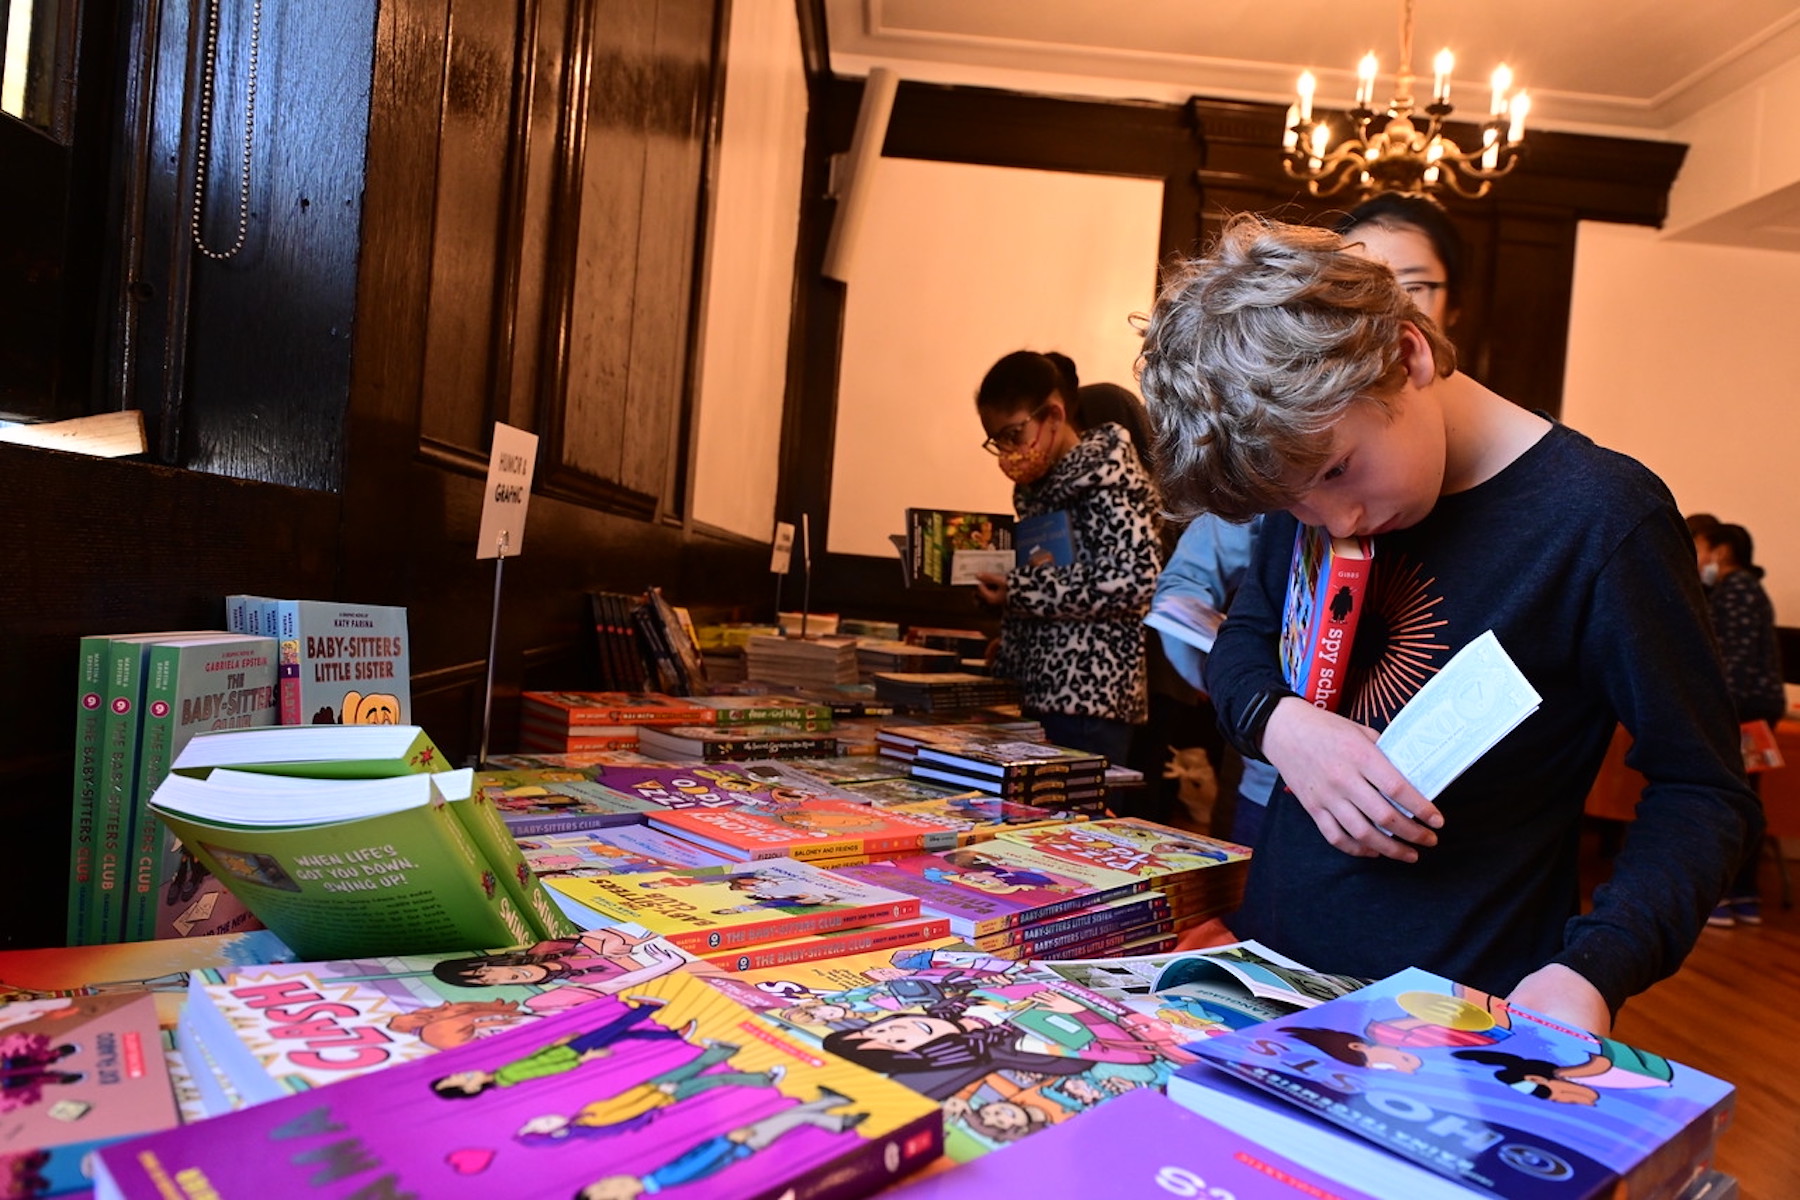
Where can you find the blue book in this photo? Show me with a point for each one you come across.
(1045, 538)
(1503, 1101)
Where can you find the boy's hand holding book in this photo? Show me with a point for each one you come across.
(1359, 800)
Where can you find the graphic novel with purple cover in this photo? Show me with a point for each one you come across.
(1501, 1099)
(1141, 1146)
(991, 887)
(673, 1088)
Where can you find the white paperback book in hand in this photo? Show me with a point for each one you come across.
(1478, 698)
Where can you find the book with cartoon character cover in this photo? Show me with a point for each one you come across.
(190, 687)
(272, 1030)
(995, 886)
(345, 867)
(1328, 578)
(672, 1087)
(1202, 876)
(1006, 1051)
(342, 663)
(1499, 1099)
(80, 1072)
(811, 829)
(741, 905)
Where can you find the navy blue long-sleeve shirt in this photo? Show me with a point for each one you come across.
(1579, 561)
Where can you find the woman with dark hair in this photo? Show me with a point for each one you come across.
(1071, 633)
(1412, 235)
(1744, 623)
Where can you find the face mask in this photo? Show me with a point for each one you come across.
(1709, 574)
(1030, 462)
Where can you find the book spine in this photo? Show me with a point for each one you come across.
(1337, 608)
(708, 941)
(873, 1165)
(482, 821)
(286, 632)
(531, 824)
(764, 748)
(855, 941)
(90, 723)
(118, 788)
(161, 679)
(1079, 926)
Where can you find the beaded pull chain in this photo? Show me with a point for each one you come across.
(203, 150)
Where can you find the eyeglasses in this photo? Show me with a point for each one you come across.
(1419, 290)
(1010, 436)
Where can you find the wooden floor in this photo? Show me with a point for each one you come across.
(1733, 1010)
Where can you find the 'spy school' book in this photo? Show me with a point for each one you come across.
(1007, 1053)
(191, 687)
(343, 663)
(370, 866)
(80, 1072)
(992, 886)
(709, 910)
(1496, 1098)
(672, 1088)
(1328, 579)
(271, 1030)
(1141, 1146)
(809, 829)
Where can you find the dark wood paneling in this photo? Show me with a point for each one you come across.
(104, 547)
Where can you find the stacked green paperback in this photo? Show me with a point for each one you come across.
(352, 840)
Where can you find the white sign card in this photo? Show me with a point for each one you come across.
(510, 467)
(783, 553)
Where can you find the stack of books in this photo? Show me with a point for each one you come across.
(964, 643)
(1201, 877)
(944, 691)
(1017, 902)
(353, 839)
(667, 1084)
(875, 657)
(1013, 769)
(902, 742)
(827, 661)
(340, 662)
(562, 722)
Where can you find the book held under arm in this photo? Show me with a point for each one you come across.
(1328, 578)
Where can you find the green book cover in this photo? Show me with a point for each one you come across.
(490, 835)
(116, 792)
(358, 867)
(317, 751)
(190, 687)
(90, 719)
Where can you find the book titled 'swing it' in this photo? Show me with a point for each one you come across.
(1328, 580)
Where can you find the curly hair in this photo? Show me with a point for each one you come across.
(1253, 354)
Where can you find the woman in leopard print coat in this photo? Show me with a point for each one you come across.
(1072, 635)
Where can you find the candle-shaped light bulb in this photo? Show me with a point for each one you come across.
(1502, 82)
(1307, 84)
(1289, 136)
(1516, 112)
(1321, 139)
(1441, 66)
(1365, 80)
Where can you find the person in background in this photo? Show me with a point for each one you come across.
(1414, 237)
(1071, 635)
(1702, 525)
(1290, 376)
(1744, 622)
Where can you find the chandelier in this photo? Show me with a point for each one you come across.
(1402, 148)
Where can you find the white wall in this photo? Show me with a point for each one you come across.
(1687, 358)
(957, 265)
(750, 271)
